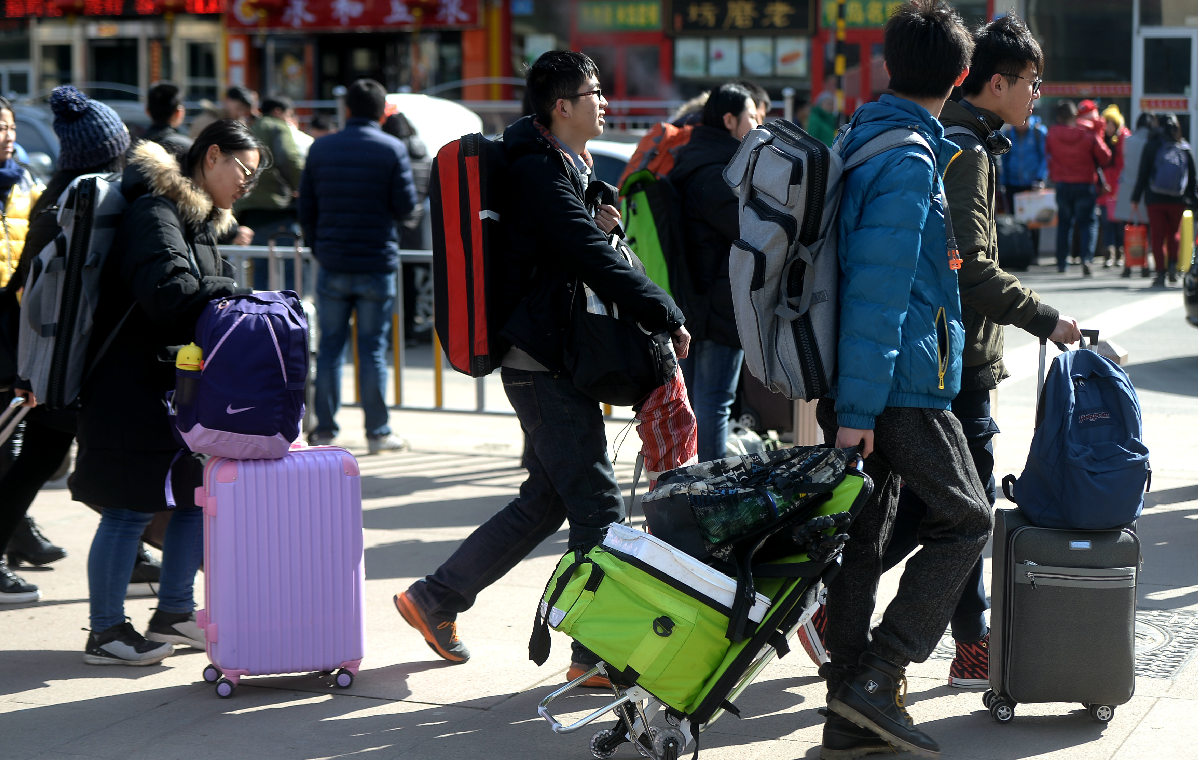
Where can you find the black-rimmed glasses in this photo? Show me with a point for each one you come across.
(1035, 82)
(598, 93)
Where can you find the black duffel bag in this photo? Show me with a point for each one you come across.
(609, 356)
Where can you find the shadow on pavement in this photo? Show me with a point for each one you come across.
(415, 559)
(1178, 375)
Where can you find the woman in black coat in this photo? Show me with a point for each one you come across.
(163, 269)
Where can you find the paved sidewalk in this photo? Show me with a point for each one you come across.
(407, 703)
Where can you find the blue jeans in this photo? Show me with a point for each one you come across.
(712, 372)
(569, 478)
(339, 294)
(1076, 202)
(114, 551)
(972, 409)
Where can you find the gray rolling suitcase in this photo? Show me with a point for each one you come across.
(1062, 626)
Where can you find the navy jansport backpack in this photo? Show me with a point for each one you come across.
(249, 400)
(1088, 466)
(1171, 170)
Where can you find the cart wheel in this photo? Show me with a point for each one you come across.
(987, 697)
(604, 744)
(345, 679)
(1002, 711)
(224, 688)
(1102, 713)
(211, 674)
(667, 743)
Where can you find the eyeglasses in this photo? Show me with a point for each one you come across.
(251, 176)
(1035, 82)
(244, 168)
(598, 93)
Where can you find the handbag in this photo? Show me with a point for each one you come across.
(611, 358)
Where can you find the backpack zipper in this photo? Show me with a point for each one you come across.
(1033, 575)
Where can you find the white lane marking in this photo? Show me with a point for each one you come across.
(1023, 362)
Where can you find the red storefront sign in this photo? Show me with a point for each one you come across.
(53, 8)
(1086, 89)
(350, 14)
(1164, 104)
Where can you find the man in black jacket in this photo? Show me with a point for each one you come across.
(164, 106)
(555, 240)
(710, 222)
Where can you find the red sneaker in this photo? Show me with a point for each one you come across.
(971, 666)
(811, 636)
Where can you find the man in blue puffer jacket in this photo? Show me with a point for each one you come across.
(899, 366)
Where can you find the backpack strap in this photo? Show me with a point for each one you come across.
(889, 140)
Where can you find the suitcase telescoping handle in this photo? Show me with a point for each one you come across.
(1089, 340)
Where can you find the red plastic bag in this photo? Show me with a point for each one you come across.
(668, 430)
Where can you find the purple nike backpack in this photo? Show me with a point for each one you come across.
(247, 401)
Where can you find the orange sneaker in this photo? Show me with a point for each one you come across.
(594, 682)
(442, 636)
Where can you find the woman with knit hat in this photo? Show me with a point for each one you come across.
(1115, 135)
(92, 139)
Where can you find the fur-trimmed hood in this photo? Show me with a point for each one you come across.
(153, 171)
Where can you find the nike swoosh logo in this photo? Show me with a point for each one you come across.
(231, 410)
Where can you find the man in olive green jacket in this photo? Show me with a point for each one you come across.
(269, 209)
(1002, 85)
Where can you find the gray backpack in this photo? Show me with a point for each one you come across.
(784, 267)
(63, 291)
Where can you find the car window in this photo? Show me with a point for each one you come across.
(608, 168)
(32, 139)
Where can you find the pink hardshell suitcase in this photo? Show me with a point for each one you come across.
(283, 566)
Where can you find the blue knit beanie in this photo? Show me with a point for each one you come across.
(90, 132)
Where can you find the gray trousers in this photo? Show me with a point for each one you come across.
(925, 449)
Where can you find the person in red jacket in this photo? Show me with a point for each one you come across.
(1075, 153)
(1112, 230)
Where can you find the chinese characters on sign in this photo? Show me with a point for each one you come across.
(640, 15)
(860, 14)
(348, 14)
(740, 16)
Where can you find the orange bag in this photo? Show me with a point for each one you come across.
(656, 151)
(1135, 245)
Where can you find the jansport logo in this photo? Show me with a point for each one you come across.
(230, 410)
(1093, 417)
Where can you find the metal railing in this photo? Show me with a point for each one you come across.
(245, 259)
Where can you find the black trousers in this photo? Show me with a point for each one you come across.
(972, 410)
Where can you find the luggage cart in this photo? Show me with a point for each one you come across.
(635, 708)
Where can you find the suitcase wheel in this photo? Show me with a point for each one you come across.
(344, 679)
(1101, 713)
(1001, 710)
(211, 674)
(987, 697)
(224, 688)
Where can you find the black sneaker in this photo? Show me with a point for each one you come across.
(14, 589)
(143, 581)
(123, 645)
(844, 740)
(872, 700)
(28, 545)
(176, 628)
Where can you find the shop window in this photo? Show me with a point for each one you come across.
(18, 83)
(604, 57)
(289, 73)
(642, 71)
(56, 66)
(114, 62)
(1167, 65)
(201, 81)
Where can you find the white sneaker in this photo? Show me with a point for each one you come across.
(389, 442)
(123, 645)
(176, 628)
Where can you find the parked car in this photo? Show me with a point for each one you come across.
(35, 134)
(610, 158)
